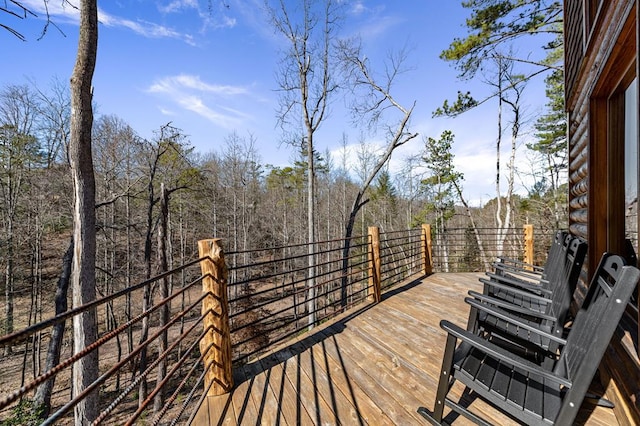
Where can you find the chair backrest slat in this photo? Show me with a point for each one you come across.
(567, 279)
(555, 257)
(593, 328)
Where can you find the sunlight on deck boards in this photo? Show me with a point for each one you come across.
(372, 366)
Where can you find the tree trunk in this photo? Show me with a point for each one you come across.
(129, 268)
(515, 134)
(483, 256)
(85, 371)
(42, 397)
(8, 287)
(158, 401)
(347, 247)
(442, 234)
(553, 172)
(148, 291)
(311, 238)
(498, 144)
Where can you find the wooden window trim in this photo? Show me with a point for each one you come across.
(606, 219)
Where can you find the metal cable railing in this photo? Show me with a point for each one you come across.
(273, 295)
(149, 369)
(460, 250)
(139, 354)
(401, 255)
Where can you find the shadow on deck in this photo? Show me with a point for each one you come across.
(373, 365)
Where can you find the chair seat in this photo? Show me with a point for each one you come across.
(526, 396)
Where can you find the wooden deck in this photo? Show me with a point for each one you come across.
(373, 366)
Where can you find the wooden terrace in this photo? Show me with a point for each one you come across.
(374, 365)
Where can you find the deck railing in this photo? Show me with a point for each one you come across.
(147, 357)
(473, 250)
(233, 307)
(274, 294)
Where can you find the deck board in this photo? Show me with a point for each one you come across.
(374, 365)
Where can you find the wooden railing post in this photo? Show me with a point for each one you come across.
(217, 341)
(375, 266)
(426, 249)
(528, 245)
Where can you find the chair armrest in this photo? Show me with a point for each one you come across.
(524, 293)
(502, 354)
(531, 287)
(492, 301)
(518, 264)
(518, 273)
(520, 270)
(512, 320)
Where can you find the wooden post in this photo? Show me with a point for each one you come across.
(219, 377)
(528, 245)
(426, 249)
(375, 266)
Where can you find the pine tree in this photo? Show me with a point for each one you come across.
(440, 185)
(497, 23)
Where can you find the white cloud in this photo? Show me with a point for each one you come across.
(475, 159)
(177, 6)
(145, 29)
(210, 101)
(183, 82)
(195, 104)
(209, 19)
(228, 22)
(379, 28)
(65, 11)
(165, 111)
(358, 7)
(194, 82)
(68, 12)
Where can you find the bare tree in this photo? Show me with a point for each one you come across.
(18, 153)
(85, 371)
(509, 88)
(375, 100)
(53, 126)
(162, 267)
(306, 83)
(42, 397)
(167, 162)
(17, 10)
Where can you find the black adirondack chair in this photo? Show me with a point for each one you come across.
(512, 327)
(537, 283)
(557, 290)
(527, 274)
(529, 392)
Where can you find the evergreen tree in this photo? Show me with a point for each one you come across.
(385, 199)
(497, 23)
(440, 185)
(551, 130)
(442, 177)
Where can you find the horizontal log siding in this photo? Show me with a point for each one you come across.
(578, 169)
(586, 60)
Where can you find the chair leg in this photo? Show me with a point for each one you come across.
(435, 416)
(599, 401)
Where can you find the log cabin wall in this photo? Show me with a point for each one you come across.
(600, 62)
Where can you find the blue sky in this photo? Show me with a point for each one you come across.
(211, 71)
